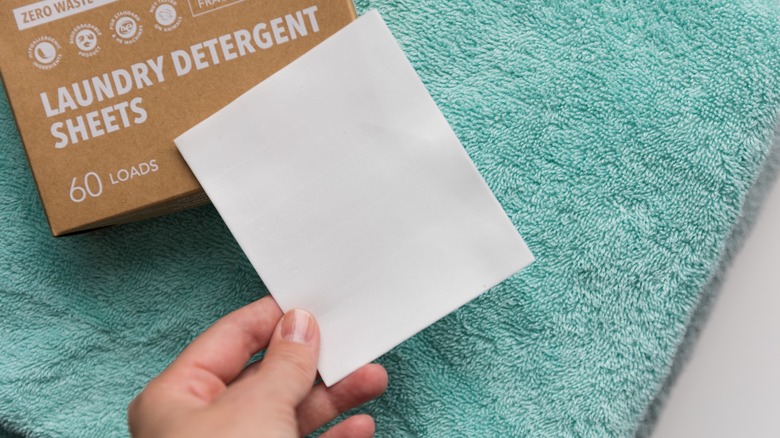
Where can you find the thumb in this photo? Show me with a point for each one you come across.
(289, 367)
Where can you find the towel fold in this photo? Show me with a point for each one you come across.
(623, 139)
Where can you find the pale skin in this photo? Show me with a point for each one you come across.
(208, 391)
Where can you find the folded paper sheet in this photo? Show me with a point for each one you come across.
(353, 198)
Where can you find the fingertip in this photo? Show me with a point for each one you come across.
(299, 326)
(357, 426)
(268, 304)
(363, 425)
(289, 367)
(376, 378)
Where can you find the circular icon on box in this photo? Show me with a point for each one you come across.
(86, 37)
(126, 27)
(44, 52)
(86, 40)
(165, 14)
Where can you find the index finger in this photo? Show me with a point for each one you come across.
(219, 354)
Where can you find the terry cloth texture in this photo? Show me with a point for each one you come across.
(624, 139)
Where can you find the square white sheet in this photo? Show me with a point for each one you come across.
(352, 197)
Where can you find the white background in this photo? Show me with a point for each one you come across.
(731, 386)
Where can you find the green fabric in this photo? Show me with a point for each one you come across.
(623, 139)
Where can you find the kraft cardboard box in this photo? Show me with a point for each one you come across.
(100, 88)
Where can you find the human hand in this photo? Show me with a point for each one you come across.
(207, 391)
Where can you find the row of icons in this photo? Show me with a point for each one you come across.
(126, 28)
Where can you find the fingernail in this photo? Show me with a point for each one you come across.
(297, 326)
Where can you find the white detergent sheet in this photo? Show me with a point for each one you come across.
(353, 198)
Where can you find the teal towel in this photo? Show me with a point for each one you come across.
(623, 139)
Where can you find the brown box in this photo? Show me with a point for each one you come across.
(100, 88)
